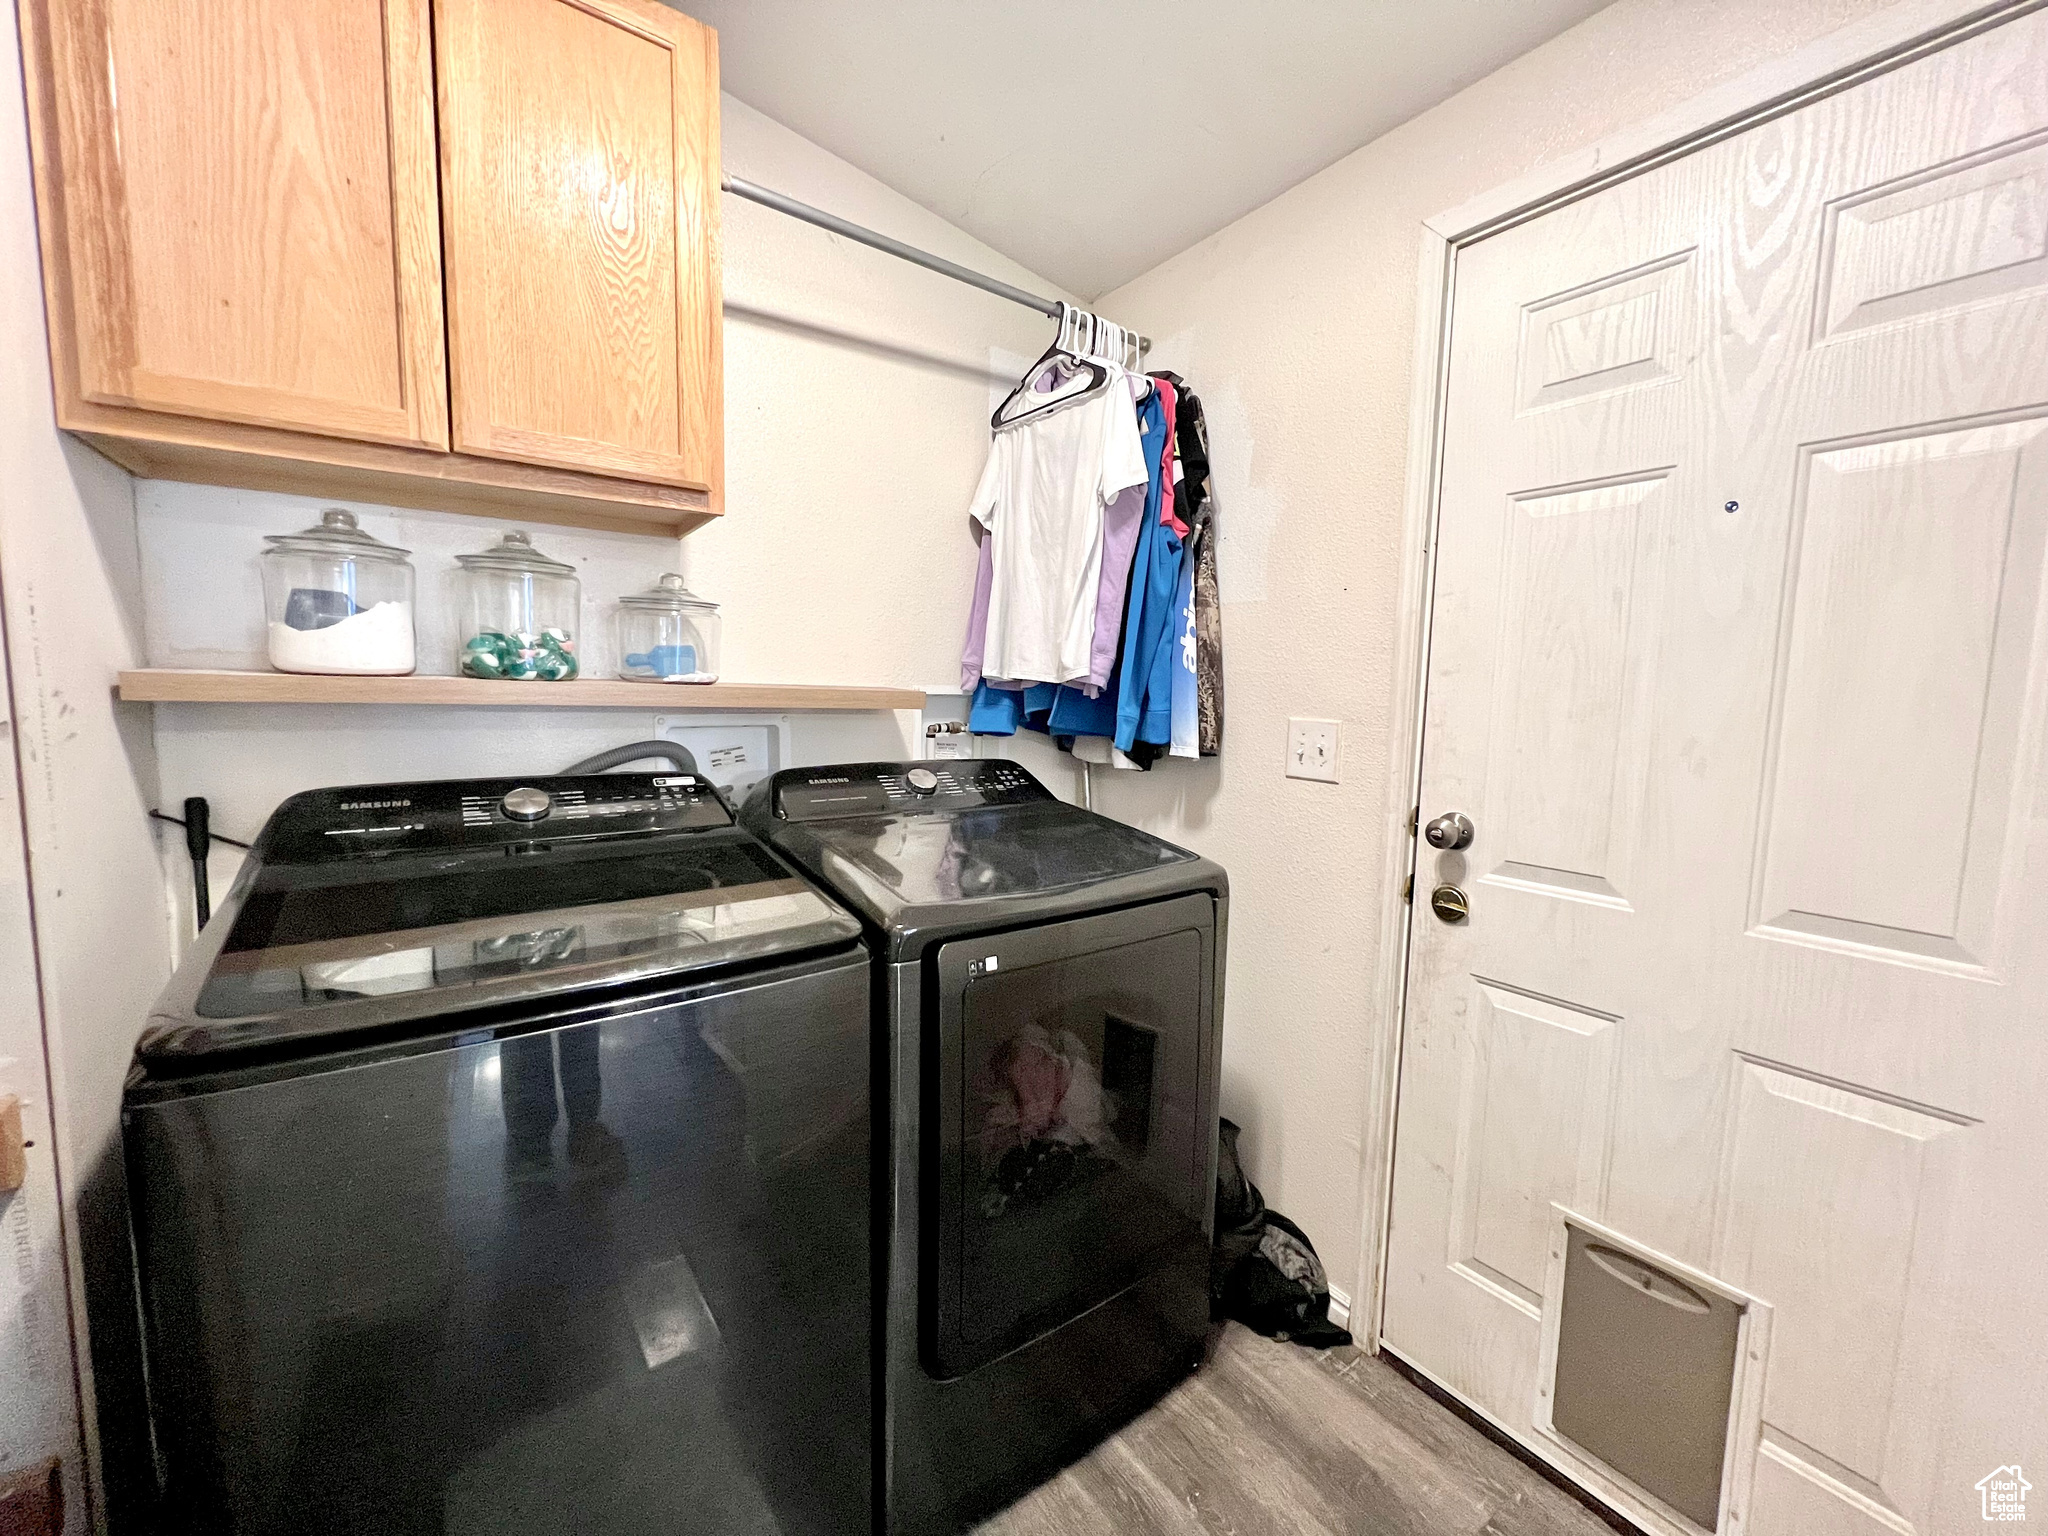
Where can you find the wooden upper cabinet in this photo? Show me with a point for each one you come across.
(282, 238)
(240, 213)
(579, 186)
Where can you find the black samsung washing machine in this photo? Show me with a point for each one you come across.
(1048, 986)
(500, 1161)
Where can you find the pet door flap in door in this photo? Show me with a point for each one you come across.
(1646, 1372)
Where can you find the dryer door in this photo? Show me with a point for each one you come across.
(1066, 1143)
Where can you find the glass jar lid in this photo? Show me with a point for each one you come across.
(515, 552)
(337, 536)
(670, 595)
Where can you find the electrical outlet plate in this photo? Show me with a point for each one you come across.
(1313, 749)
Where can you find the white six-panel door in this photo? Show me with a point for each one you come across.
(1739, 665)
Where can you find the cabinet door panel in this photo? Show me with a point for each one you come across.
(579, 171)
(246, 190)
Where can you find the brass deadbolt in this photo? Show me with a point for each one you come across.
(1448, 903)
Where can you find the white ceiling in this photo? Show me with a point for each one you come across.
(1091, 139)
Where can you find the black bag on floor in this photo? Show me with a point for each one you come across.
(1263, 1270)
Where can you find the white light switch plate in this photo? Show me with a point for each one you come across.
(1313, 748)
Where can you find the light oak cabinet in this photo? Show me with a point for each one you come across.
(461, 254)
(579, 155)
(249, 212)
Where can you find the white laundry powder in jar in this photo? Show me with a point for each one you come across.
(374, 642)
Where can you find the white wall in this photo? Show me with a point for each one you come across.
(70, 585)
(1296, 325)
(37, 1384)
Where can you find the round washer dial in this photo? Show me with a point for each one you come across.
(526, 804)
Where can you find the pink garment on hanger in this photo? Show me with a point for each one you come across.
(1167, 515)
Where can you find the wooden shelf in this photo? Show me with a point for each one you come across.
(164, 685)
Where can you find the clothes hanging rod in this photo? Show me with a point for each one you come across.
(1050, 308)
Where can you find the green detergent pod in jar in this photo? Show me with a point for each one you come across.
(520, 613)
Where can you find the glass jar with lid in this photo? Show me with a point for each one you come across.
(667, 634)
(338, 600)
(519, 613)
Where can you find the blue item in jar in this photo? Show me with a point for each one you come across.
(665, 660)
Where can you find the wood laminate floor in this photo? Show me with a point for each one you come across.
(1273, 1440)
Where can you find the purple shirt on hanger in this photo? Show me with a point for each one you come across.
(1120, 521)
(977, 616)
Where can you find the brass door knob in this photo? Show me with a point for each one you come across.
(1448, 903)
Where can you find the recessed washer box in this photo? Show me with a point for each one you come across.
(735, 752)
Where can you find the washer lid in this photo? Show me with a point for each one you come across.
(317, 950)
(920, 878)
(921, 850)
(989, 854)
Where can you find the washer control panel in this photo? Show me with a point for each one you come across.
(883, 789)
(471, 814)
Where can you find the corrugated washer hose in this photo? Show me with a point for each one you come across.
(638, 751)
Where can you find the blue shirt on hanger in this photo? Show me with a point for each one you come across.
(1144, 708)
(999, 711)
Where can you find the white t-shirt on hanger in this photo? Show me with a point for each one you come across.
(1041, 498)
